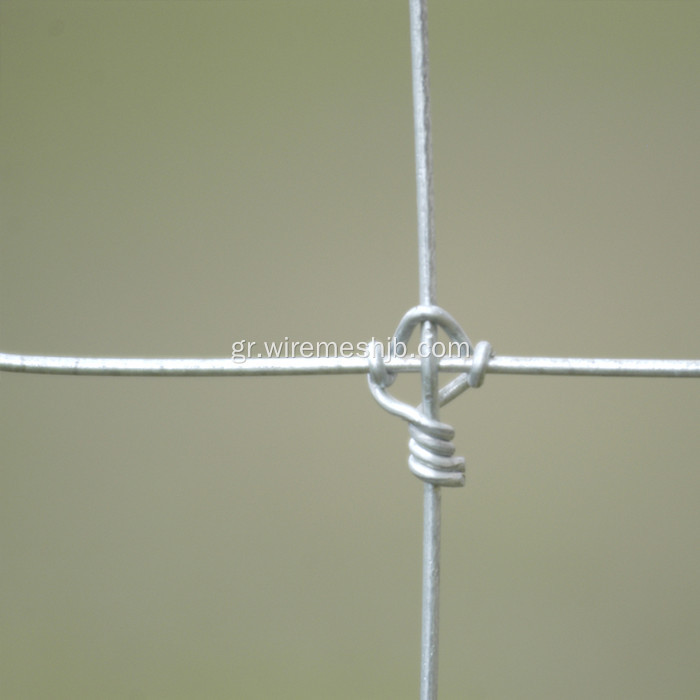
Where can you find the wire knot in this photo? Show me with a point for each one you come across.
(432, 453)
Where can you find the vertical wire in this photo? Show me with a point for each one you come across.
(429, 369)
(424, 151)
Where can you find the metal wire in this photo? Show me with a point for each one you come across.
(431, 429)
(225, 367)
(430, 445)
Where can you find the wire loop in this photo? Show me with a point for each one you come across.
(431, 449)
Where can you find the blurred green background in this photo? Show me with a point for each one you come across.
(180, 175)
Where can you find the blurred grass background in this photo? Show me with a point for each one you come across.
(180, 175)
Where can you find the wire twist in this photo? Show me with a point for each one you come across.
(432, 453)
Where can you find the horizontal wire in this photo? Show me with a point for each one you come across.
(222, 367)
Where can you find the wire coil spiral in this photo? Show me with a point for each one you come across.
(432, 453)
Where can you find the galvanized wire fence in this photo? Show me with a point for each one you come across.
(432, 453)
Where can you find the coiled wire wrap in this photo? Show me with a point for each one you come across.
(432, 457)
